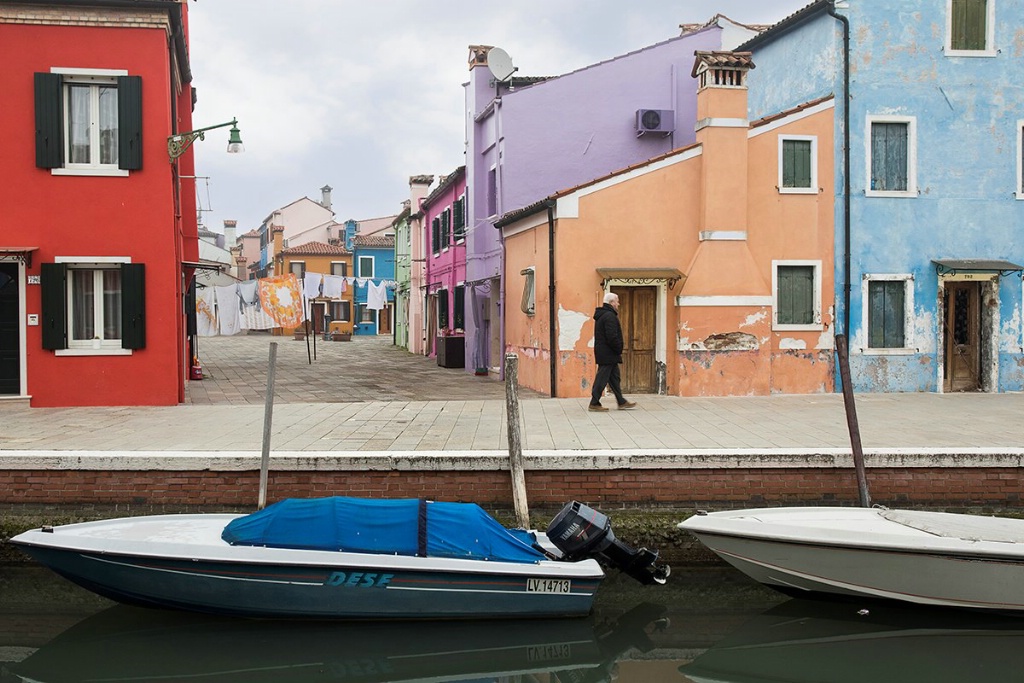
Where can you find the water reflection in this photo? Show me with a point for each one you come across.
(131, 644)
(827, 642)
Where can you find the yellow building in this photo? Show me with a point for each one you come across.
(322, 259)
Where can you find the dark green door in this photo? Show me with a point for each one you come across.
(10, 339)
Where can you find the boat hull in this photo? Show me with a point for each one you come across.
(855, 553)
(189, 568)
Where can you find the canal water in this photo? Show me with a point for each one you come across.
(705, 626)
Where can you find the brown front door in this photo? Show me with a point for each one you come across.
(385, 320)
(637, 314)
(962, 335)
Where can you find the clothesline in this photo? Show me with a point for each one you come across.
(280, 301)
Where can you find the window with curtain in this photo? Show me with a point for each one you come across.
(88, 121)
(339, 268)
(341, 311)
(298, 268)
(93, 308)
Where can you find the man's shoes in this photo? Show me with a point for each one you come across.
(597, 409)
(628, 405)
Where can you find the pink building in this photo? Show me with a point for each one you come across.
(721, 253)
(444, 229)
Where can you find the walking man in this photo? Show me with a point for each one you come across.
(608, 354)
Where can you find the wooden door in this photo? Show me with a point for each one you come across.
(962, 336)
(637, 315)
(10, 341)
(384, 327)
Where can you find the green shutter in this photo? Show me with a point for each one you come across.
(49, 121)
(53, 283)
(460, 308)
(889, 156)
(969, 24)
(796, 163)
(442, 309)
(886, 314)
(129, 122)
(133, 306)
(795, 295)
(435, 235)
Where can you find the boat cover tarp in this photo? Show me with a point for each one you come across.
(393, 527)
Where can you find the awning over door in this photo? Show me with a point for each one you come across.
(641, 276)
(23, 254)
(970, 265)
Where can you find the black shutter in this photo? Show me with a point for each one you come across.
(49, 122)
(54, 289)
(442, 309)
(133, 306)
(460, 308)
(129, 122)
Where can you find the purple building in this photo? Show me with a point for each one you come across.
(530, 137)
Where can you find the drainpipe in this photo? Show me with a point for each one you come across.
(551, 299)
(846, 166)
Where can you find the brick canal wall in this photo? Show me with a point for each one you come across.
(613, 479)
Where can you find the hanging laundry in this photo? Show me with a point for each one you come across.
(281, 298)
(334, 286)
(248, 293)
(206, 316)
(362, 281)
(311, 285)
(376, 297)
(229, 317)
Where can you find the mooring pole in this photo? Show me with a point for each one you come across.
(851, 420)
(515, 448)
(268, 418)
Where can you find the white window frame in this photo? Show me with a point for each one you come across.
(1020, 160)
(909, 345)
(528, 305)
(366, 312)
(990, 33)
(813, 189)
(92, 77)
(373, 266)
(85, 347)
(911, 122)
(812, 327)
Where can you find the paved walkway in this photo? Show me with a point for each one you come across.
(333, 407)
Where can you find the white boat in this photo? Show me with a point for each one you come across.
(920, 557)
(344, 558)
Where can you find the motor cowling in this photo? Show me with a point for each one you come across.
(580, 531)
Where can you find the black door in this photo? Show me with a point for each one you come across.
(10, 342)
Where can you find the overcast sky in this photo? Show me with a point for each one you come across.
(362, 95)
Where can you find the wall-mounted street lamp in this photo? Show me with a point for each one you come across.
(177, 144)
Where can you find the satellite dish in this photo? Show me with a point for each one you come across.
(500, 64)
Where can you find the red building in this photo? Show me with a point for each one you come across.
(98, 225)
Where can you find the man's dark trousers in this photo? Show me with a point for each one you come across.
(607, 375)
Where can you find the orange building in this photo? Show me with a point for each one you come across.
(323, 259)
(721, 254)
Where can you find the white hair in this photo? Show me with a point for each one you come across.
(609, 297)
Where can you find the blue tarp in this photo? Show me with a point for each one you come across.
(393, 527)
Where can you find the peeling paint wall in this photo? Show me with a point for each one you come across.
(966, 111)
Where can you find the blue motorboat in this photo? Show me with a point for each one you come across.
(347, 558)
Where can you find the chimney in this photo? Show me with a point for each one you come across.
(325, 197)
(230, 236)
(722, 133)
(478, 55)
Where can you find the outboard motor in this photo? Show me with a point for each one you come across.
(580, 532)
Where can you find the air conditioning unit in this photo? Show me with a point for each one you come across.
(659, 122)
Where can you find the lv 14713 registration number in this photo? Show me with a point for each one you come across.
(548, 585)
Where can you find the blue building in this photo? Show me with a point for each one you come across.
(373, 264)
(930, 201)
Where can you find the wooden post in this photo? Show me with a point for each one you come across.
(515, 447)
(268, 418)
(851, 420)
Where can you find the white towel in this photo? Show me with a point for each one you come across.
(206, 316)
(229, 317)
(311, 285)
(376, 297)
(334, 286)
